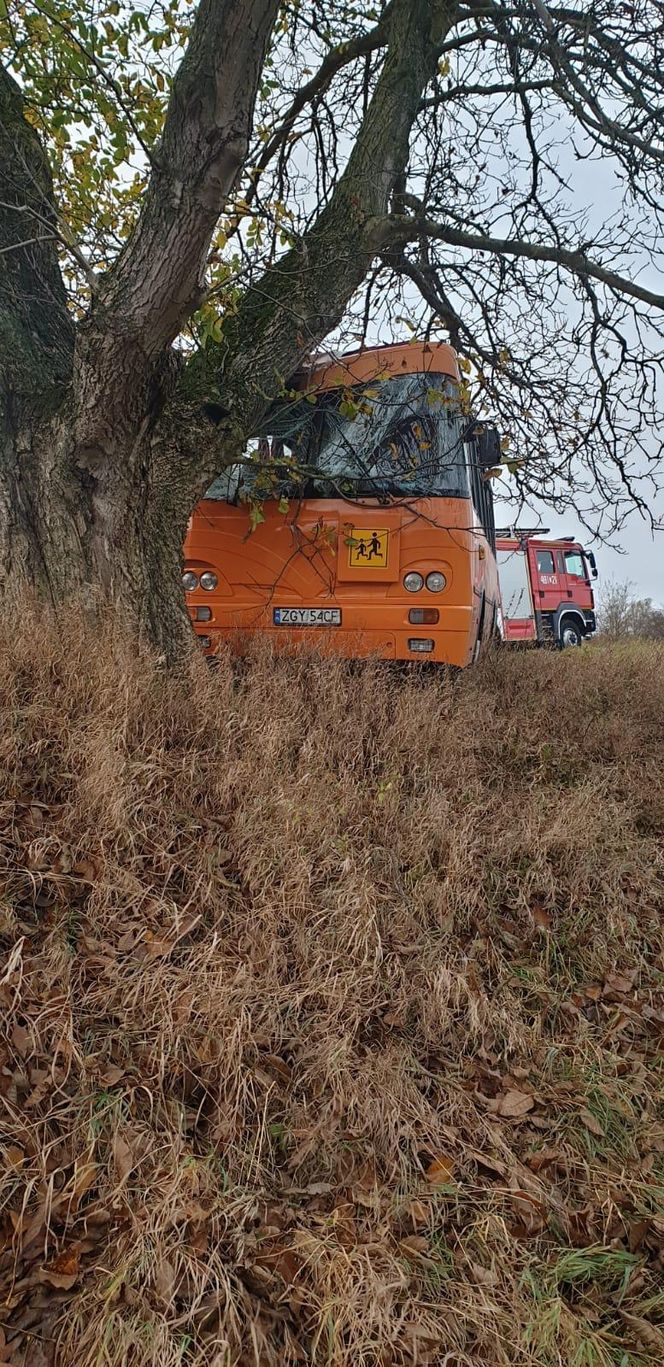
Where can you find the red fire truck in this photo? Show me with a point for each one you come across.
(545, 586)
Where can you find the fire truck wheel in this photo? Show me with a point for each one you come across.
(570, 633)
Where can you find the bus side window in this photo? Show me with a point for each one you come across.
(482, 493)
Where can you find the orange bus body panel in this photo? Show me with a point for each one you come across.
(301, 558)
(360, 367)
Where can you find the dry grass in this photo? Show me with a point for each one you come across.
(332, 1000)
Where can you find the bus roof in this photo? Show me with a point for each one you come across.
(375, 363)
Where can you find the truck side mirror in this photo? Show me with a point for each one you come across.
(593, 563)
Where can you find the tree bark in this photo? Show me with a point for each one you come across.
(111, 541)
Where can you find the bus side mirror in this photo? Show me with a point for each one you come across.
(488, 448)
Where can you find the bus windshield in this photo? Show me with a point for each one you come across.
(395, 438)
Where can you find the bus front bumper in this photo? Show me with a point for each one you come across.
(390, 636)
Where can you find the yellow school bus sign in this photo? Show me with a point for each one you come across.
(367, 548)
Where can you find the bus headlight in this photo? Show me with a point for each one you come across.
(413, 581)
(436, 582)
(209, 580)
(189, 581)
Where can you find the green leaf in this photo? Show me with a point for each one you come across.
(256, 515)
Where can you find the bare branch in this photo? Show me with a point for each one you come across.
(401, 230)
(62, 233)
(315, 88)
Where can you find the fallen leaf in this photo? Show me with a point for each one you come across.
(418, 1213)
(278, 1065)
(650, 1013)
(617, 982)
(85, 1175)
(484, 1276)
(485, 1160)
(21, 1040)
(122, 1157)
(513, 1104)
(111, 1076)
(345, 1227)
(439, 1172)
(288, 1265)
(541, 1159)
(14, 1156)
(529, 1212)
(128, 939)
(541, 917)
(63, 1272)
(646, 1333)
(86, 869)
(414, 1243)
(394, 1018)
(296, 1352)
(637, 1233)
(164, 1279)
(156, 948)
(591, 1123)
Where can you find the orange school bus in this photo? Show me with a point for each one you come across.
(377, 534)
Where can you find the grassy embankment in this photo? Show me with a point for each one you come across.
(332, 1004)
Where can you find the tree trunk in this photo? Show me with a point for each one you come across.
(109, 537)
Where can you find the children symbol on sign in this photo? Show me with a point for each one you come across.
(374, 549)
(369, 547)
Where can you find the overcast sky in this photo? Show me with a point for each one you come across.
(642, 560)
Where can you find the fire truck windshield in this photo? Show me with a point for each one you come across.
(402, 437)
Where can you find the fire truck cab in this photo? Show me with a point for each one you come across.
(546, 587)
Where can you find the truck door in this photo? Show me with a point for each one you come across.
(566, 584)
(545, 579)
(577, 582)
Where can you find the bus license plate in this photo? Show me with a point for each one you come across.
(306, 617)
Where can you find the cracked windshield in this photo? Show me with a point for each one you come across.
(396, 438)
